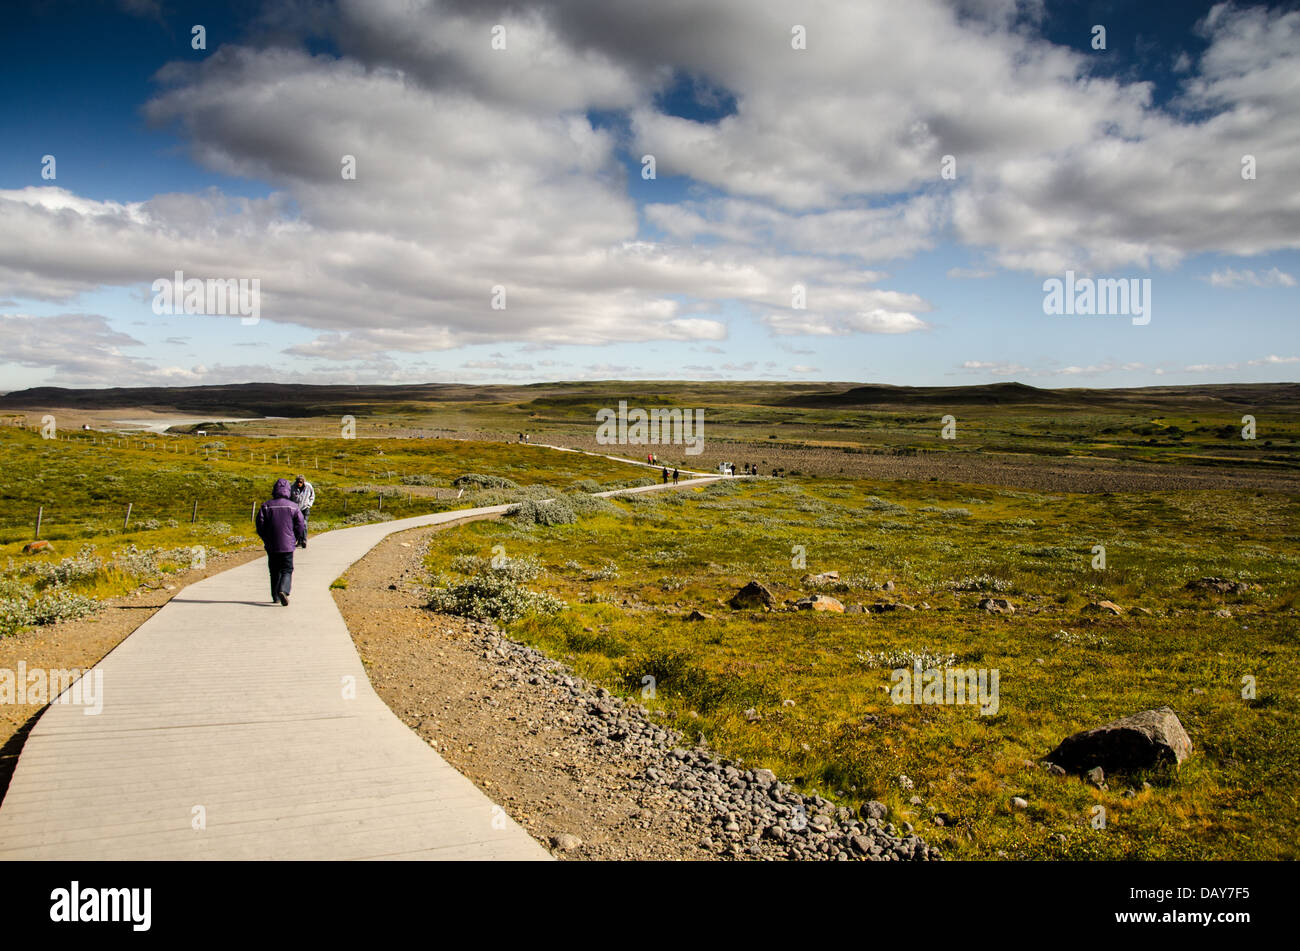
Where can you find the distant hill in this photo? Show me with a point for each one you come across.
(259, 399)
(1242, 395)
(299, 400)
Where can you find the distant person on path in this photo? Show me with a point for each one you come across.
(675, 475)
(280, 525)
(303, 494)
(665, 475)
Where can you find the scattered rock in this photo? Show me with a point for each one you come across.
(854, 609)
(1223, 612)
(1097, 776)
(728, 810)
(1219, 585)
(1103, 607)
(752, 596)
(35, 548)
(826, 577)
(887, 586)
(880, 607)
(1018, 803)
(565, 842)
(820, 602)
(874, 810)
(996, 606)
(698, 615)
(1141, 741)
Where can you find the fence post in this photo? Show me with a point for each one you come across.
(254, 511)
(40, 512)
(127, 520)
(381, 500)
(194, 513)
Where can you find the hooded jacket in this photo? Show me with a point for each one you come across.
(305, 497)
(279, 521)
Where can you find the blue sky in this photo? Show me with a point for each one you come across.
(776, 165)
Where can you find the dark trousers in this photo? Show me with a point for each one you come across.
(302, 539)
(281, 565)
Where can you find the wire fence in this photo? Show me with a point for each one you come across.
(70, 495)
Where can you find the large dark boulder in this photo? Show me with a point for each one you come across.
(1144, 740)
(752, 596)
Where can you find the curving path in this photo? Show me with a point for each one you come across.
(229, 731)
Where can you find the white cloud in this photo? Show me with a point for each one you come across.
(478, 168)
(1248, 278)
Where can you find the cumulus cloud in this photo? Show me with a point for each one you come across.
(481, 170)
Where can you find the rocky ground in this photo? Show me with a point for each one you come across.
(586, 773)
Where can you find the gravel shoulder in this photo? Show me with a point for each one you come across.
(585, 773)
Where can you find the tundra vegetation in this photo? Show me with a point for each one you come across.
(84, 484)
(805, 693)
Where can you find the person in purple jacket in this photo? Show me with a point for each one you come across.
(280, 524)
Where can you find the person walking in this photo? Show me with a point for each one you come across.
(280, 525)
(303, 494)
(665, 475)
(676, 473)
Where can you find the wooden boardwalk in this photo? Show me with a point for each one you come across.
(233, 728)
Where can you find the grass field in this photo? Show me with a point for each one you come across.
(84, 483)
(631, 576)
(1201, 425)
